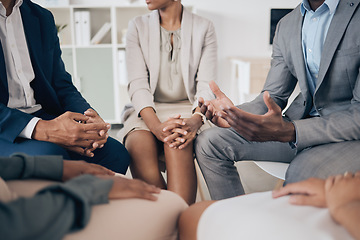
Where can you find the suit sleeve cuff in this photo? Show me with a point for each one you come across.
(294, 145)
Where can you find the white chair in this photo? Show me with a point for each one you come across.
(275, 169)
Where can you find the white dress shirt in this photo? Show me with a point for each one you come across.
(19, 69)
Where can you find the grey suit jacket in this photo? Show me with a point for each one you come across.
(337, 93)
(198, 57)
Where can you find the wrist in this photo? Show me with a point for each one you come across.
(40, 132)
(289, 134)
(199, 117)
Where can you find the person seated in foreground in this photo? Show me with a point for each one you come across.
(265, 218)
(60, 208)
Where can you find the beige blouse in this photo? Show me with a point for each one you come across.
(170, 87)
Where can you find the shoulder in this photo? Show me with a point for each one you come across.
(36, 9)
(291, 18)
(143, 20)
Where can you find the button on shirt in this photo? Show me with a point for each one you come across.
(315, 27)
(19, 69)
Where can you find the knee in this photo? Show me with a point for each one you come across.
(119, 156)
(47, 148)
(189, 219)
(207, 140)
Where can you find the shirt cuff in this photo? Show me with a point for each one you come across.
(28, 130)
(294, 145)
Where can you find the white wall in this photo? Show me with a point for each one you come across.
(242, 27)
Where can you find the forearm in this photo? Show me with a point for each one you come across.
(335, 127)
(149, 116)
(349, 217)
(54, 211)
(12, 122)
(21, 166)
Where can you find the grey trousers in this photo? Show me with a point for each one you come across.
(217, 149)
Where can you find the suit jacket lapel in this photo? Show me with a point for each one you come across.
(33, 35)
(4, 96)
(335, 33)
(154, 51)
(299, 62)
(186, 35)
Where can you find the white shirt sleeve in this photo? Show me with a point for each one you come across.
(28, 130)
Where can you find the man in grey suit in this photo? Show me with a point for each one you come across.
(317, 46)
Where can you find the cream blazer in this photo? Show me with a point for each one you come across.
(198, 58)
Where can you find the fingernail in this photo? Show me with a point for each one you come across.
(185, 132)
(108, 126)
(171, 145)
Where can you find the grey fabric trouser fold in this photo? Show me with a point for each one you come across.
(218, 148)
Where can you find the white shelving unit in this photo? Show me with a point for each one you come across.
(95, 67)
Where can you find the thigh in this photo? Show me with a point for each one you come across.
(227, 144)
(325, 160)
(31, 147)
(134, 219)
(113, 156)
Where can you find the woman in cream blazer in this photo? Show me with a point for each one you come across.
(171, 56)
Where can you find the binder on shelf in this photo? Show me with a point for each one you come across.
(101, 33)
(122, 68)
(82, 28)
(85, 27)
(78, 31)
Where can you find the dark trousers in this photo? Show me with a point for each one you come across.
(113, 155)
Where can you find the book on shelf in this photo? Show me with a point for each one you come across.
(101, 33)
(82, 28)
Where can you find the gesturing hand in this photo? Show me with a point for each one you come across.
(124, 188)
(69, 131)
(309, 192)
(73, 169)
(268, 127)
(211, 109)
